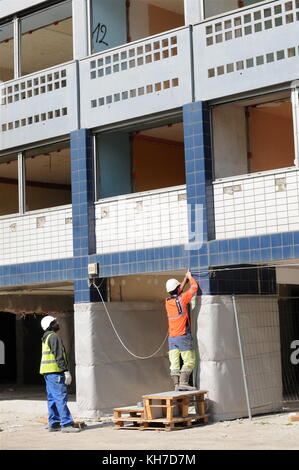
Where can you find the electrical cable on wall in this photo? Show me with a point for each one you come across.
(119, 338)
(263, 266)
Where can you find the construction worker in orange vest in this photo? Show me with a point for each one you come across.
(180, 339)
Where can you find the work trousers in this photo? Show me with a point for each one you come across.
(188, 358)
(58, 410)
(181, 347)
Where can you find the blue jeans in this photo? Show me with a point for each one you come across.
(57, 400)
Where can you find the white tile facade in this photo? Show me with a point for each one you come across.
(37, 236)
(142, 220)
(257, 204)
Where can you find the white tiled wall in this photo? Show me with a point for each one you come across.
(257, 204)
(38, 236)
(142, 220)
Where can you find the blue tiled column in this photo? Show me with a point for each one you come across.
(199, 177)
(84, 240)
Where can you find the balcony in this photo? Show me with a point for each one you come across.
(246, 50)
(39, 106)
(234, 52)
(143, 77)
(142, 220)
(36, 236)
(136, 221)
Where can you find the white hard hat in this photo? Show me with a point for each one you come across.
(172, 284)
(46, 322)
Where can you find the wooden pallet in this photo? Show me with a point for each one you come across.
(169, 402)
(130, 414)
(159, 424)
(173, 408)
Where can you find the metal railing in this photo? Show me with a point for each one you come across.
(39, 106)
(136, 79)
(247, 49)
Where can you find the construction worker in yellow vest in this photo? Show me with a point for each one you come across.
(54, 367)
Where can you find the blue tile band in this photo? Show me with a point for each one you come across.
(215, 253)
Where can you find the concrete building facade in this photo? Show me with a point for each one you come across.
(143, 138)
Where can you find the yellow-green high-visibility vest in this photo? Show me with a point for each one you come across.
(48, 363)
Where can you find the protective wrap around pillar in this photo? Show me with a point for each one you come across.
(107, 376)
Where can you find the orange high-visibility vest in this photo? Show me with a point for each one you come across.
(177, 310)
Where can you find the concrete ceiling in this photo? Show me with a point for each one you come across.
(176, 6)
(173, 132)
(277, 108)
(61, 288)
(264, 99)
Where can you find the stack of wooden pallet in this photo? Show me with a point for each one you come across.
(166, 411)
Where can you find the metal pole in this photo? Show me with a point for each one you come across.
(17, 47)
(295, 110)
(95, 168)
(89, 27)
(242, 359)
(22, 183)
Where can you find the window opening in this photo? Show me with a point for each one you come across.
(48, 177)
(140, 160)
(9, 198)
(149, 17)
(6, 52)
(252, 136)
(46, 38)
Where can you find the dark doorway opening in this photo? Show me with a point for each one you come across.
(8, 370)
(32, 334)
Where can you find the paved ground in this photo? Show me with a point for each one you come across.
(20, 421)
(267, 432)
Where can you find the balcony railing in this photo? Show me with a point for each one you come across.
(232, 53)
(36, 236)
(38, 106)
(142, 220)
(141, 78)
(247, 49)
(257, 204)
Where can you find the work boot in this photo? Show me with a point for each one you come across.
(55, 427)
(176, 379)
(184, 381)
(70, 429)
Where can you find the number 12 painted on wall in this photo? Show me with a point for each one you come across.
(100, 29)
